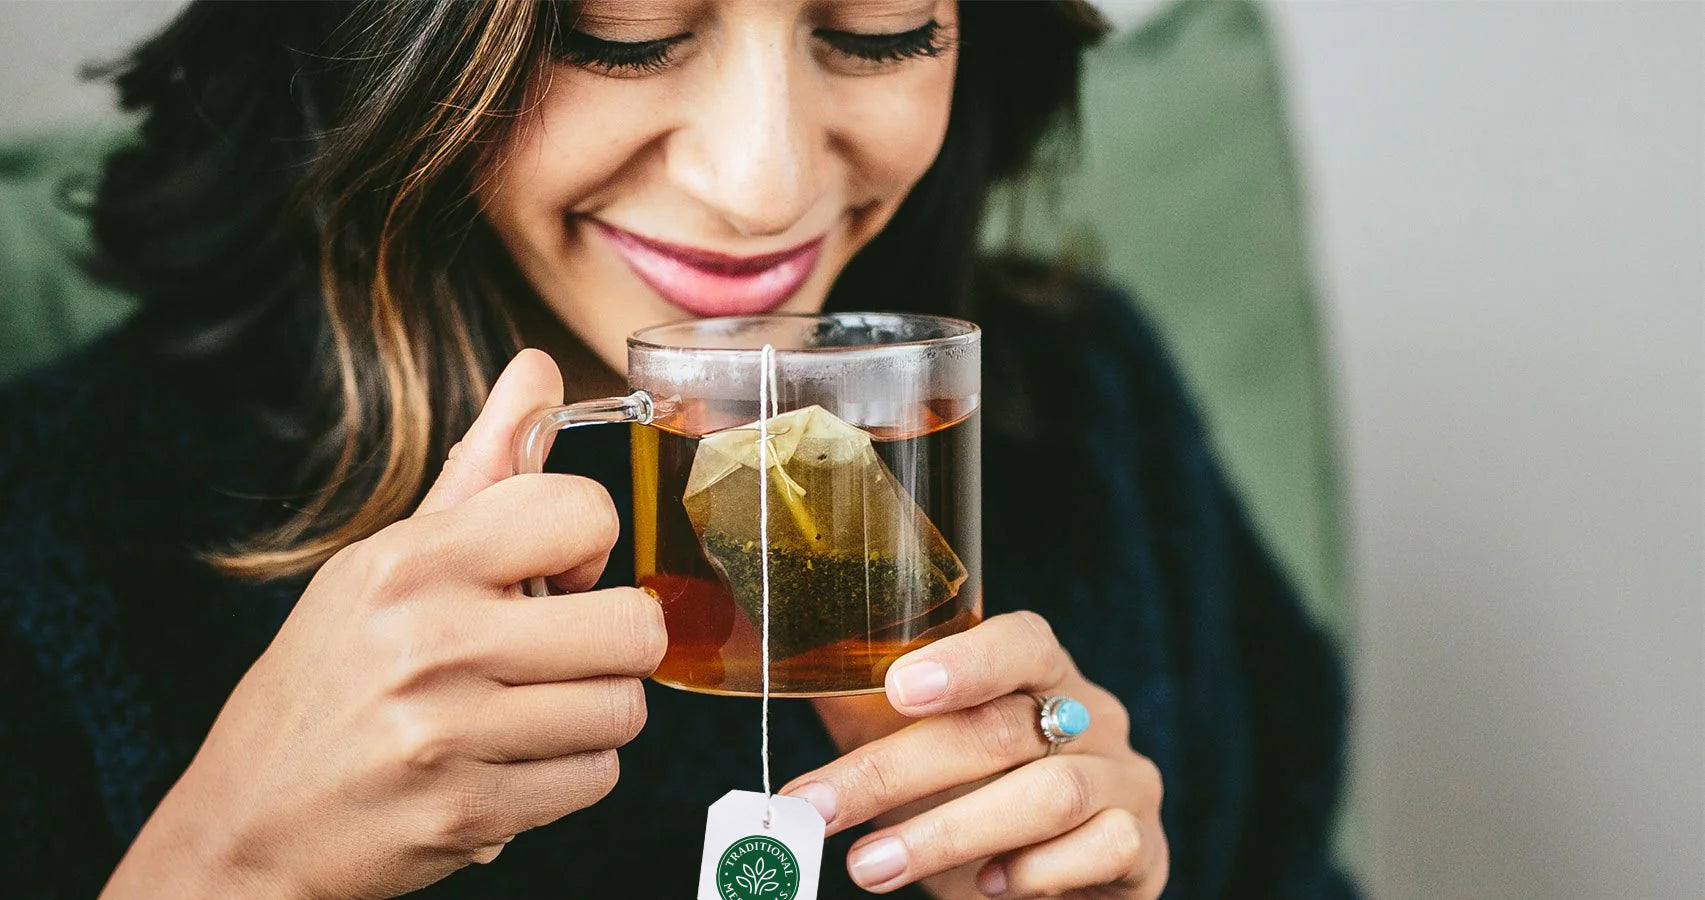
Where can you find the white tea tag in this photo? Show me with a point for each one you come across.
(743, 860)
(760, 846)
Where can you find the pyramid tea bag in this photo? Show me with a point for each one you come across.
(850, 551)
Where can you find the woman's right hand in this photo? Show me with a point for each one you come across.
(415, 711)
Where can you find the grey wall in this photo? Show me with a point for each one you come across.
(43, 44)
(1509, 201)
(1510, 206)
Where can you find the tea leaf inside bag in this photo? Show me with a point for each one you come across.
(851, 553)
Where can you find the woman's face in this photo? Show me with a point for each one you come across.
(718, 158)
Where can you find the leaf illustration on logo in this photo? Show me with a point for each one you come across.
(764, 879)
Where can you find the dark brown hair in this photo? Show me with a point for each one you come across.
(310, 168)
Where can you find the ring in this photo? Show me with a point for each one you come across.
(1062, 720)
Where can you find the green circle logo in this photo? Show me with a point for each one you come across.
(757, 868)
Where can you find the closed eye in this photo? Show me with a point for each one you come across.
(927, 40)
(616, 57)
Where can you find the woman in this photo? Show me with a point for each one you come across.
(261, 632)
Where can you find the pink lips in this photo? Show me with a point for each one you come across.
(715, 284)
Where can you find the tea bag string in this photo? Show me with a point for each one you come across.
(768, 406)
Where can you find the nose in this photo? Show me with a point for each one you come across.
(752, 149)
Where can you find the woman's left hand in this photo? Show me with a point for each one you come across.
(969, 800)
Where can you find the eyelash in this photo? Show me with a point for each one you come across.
(644, 57)
(884, 48)
(617, 57)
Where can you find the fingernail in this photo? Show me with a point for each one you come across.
(820, 796)
(920, 683)
(992, 880)
(878, 862)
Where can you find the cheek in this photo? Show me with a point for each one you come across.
(577, 146)
(892, 126)
(580, 150)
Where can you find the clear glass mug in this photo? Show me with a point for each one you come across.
(872, 472)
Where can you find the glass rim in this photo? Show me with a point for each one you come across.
(966, 332)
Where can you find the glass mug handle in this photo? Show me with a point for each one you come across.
(534, 439)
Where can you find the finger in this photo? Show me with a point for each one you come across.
(1115, 847)
(1040, 801)
(523, 527)
(1007, 653)
(484, 456)
(536, 640)
(488, 854)
(490, 804)
(537, 792)
(922, 760)
(544, 721)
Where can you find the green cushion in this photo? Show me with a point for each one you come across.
(47, 303)
(1184, 193)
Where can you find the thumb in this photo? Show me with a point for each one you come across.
(484, 456)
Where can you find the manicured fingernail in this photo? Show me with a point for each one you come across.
(878, 862)
(920, 683)
(820, 796)
(992, 880)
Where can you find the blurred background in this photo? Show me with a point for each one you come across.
(1436, 271)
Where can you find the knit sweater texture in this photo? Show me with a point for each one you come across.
(1104, 510)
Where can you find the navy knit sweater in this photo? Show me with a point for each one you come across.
(1104, 511)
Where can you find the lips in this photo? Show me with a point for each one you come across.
(705, 283)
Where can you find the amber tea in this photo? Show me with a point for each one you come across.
(856, 498)
(868, 559)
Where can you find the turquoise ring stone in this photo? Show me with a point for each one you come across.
(1062, 720)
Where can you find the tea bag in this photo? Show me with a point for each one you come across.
(851, 553)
